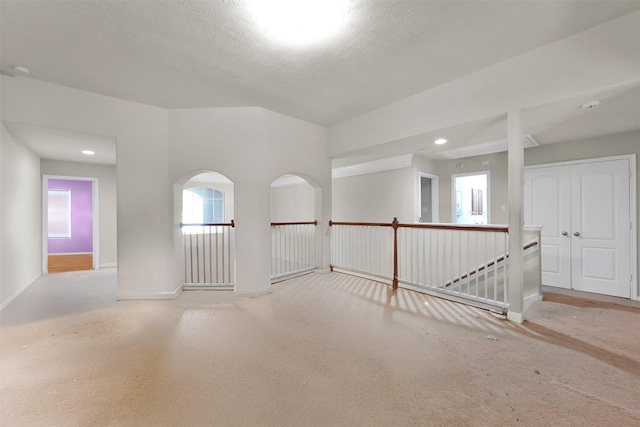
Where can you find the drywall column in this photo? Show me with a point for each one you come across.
(516, 216)
(253, 237)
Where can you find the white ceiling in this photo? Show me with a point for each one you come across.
(188, 54)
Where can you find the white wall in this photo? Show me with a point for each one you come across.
(20, 217)
(107, 214)
(376, 196)
(157, 148)
(144, 199)
(292, 203)
(252, 147)
(498, 184)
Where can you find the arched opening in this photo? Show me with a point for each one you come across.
(205, 242)
(296, 238)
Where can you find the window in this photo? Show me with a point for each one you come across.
(476, 201)
(59, 214)
(201, 205)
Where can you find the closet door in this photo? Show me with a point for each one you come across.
(547, 203)
(600, 227)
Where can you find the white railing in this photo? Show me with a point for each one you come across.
(466, 262)
(292, 248)
(364, 248)
(209, 255)
(461, 262)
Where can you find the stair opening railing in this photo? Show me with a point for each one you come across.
(461, 262)
(209, 255)
(293, 248)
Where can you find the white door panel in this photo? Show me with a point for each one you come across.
(600, 234)
(588, 202)
(547, 203)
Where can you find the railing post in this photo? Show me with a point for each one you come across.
(395, 253)
(331, 265)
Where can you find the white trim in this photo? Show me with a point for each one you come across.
(16, 294)
(453, 193)
(527, 301)
(435, 196)
(251, 293)
(210, 177)
(109, 265)
(45, 222)
(286, 180)
(633, 214)
(151, 296)
(515, 317)
(397, 162)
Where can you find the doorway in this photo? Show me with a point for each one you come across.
(70, 224)
(428, 205)
(584, 209)
(471, 198)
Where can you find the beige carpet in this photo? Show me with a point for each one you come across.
(322, 350)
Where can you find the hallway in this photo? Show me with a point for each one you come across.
(322, 349)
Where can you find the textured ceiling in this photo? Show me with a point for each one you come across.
(186, 54)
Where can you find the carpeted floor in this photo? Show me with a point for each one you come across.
(321, 350)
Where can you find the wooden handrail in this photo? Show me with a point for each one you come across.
(363, 224)
(464, 227)
(209, 224)
(489, 264)
(296, 223)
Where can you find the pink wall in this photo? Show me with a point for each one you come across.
(81, 217)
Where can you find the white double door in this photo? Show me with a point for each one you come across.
(584, 211)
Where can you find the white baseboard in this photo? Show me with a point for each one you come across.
(109, 264)
(515, 317)
(158, 295)
(323, 271)
(530, 300)
(16, 293)
(254, 293)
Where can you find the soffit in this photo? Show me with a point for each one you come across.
(63, 144)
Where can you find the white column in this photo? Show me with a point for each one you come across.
(516, 216)
(252, 213)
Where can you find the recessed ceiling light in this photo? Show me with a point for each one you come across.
(88, 152)
(297, 22)
(440, 141)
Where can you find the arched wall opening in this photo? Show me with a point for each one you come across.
(204, 237)
(296, 232)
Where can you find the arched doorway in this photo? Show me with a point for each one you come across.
(296, 239)
(206, 241)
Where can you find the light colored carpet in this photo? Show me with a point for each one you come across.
(322, 350)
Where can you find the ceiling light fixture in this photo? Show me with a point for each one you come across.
(299, 22)
(440, 141)
(88, 152)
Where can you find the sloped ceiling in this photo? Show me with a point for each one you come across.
(189, 54)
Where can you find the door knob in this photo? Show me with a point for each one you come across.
(564, 233)
(576, 234)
